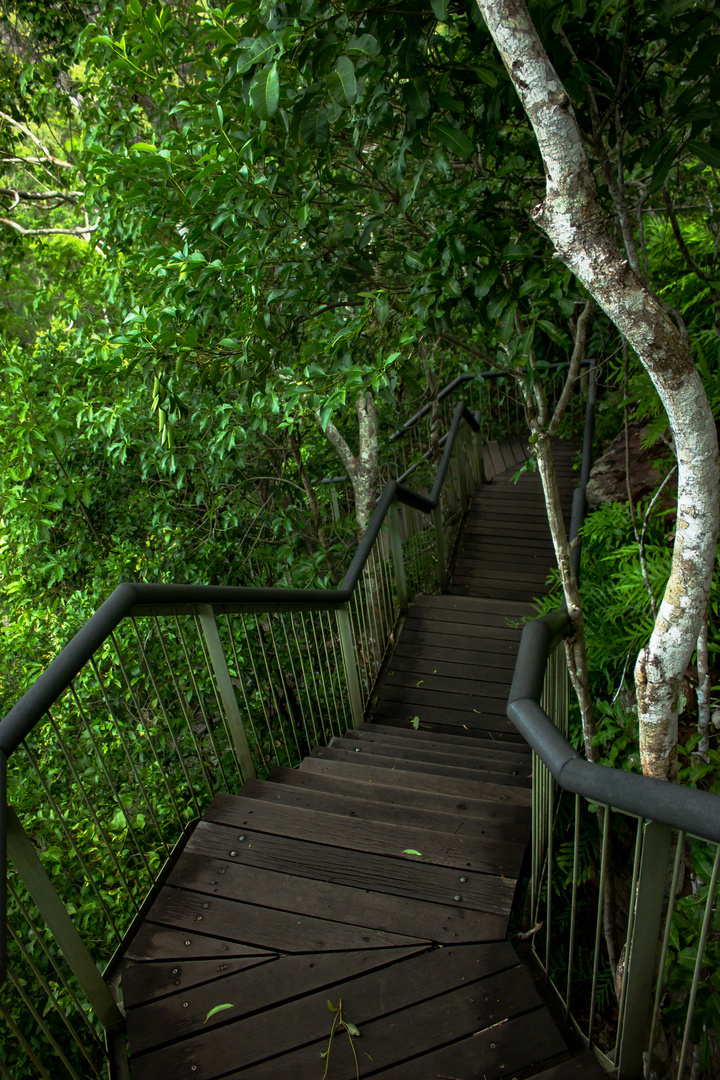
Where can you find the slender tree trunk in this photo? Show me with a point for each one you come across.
(363, 467)
(574, 223)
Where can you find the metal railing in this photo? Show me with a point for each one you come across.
(592, 828)
(166, 696)
(590, 821)
(493, 396)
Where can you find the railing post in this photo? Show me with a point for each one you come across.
(397, 554)
(35, 878)
(334, 503)
(463, 475)
(209, 627)
(349, 659)
(642, 950)
(479, 444)
(440, 547)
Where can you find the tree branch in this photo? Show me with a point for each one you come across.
(26, 131)
(578, 355)
(81, 230)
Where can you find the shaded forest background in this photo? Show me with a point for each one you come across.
(239, 246)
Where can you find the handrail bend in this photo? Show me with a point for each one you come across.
(692, 811)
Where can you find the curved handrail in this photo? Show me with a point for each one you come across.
(695, 812)
(692, 811)
(137, 598)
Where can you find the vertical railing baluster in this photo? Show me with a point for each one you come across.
(347, 645)
(709, 905)
(598, 921)
(678, 864)
(206, 618)
(440, 547)
(35, 878)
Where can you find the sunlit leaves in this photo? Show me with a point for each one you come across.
(265, 92)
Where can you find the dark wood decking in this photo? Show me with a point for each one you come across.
(381, 873)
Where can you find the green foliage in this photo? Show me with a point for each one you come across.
(682, 957)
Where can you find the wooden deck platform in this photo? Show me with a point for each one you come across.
(379, 875)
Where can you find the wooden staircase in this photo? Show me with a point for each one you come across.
(379, 875)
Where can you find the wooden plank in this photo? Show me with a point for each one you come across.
(412, 1031)
(161, 943)
(426, 696)
(480, 854)
(446, 923)
(406, 757)
(413, 740)
(146, 982)
(516, 512)
(447, 627)
(476, 671)
(483, 548)
(477, 688)
(490, 722)
(389, 797)
(498, 465)
(480, 571)
(400, 876)
(484, 777)
(444, 642)
(184, 1014)
(421, 650)
(585, 1067)
(282, 931)
(419, 988)
(454, 785)
(502, 1051)
(526, 594)
(444, 740)
(484, 623)
(479, 607)
(520, 547)
(497, 536)
(357, 809)
(521, 450)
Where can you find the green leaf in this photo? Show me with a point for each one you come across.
(265, 92)
(662, 169)
(411, 851)
(263, 48)
(440, 9)
(366, 44)
(342, 83)
(417, 98)
(415, 722)
(454, 140)
(144, 148)
(707, 153)
(315, 128)
(136, 8)
(330, 1006)
(351, 1029)
(217, 1009)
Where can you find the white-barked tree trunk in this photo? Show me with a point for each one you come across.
(572, 219)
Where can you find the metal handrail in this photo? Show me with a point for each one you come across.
(658, 806)
(692, 811)
(136, 598)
